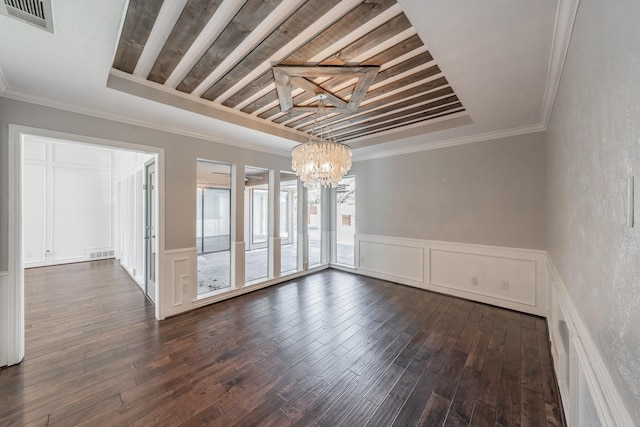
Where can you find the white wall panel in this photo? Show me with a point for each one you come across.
(67, 202)
(81, 212)
(75, 154)
(397, 260)
(35, 150)
(511, 279)
(34, 212)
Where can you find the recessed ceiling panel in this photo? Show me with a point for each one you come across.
(365, 55)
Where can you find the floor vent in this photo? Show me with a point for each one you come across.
(35, 12)
(100, 254)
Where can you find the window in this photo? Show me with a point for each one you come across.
(260, 216)
(256, 223)
(213, 226)
(346, 221)
(288, 222)
(314, 224)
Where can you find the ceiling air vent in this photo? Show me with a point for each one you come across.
(35, 12)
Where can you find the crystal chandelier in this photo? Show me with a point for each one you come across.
(322, 161)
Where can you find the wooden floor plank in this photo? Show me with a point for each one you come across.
(328, 349)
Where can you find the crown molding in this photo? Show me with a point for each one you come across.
(487, 136)
(565, 19)
(3, 83)
(47, 102)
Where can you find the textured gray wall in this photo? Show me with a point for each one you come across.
(489, 192)
(180, 162)
(592, 145)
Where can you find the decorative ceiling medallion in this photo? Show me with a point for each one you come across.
(288, 76)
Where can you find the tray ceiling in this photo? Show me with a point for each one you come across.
(364, 54)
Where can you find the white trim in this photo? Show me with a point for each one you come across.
(487, 136)
(605, 396)
(15, 290)
(565, 20)
(3, 83)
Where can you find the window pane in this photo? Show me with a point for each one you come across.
(314, 221)
(260, 215)
(288, 222)
(284, 218)
(256, 224)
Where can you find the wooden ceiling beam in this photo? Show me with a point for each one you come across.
(249, 16)
(192, 20)
(385, 121)
(341, 28)
(380, 59)
(399, 125)
(299, 76)
(139, 20)
(357, 17)
(399, 85)
(391, 103)
(300, 20)
(375, 117)
(283, 87)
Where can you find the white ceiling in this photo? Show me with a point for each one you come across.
(500, 56)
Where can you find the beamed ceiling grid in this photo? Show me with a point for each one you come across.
(269, 58)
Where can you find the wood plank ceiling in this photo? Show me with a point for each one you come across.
(225, 51)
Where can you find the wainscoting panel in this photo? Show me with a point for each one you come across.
(179, 289)
(395, 259)
(589, 395)
(512, 278)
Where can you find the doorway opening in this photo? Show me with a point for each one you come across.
(74, 199)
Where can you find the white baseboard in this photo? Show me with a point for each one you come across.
(506, 277)
(582, 375)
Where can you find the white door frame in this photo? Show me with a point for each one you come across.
(15, 303)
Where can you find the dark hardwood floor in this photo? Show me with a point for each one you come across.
(329, 349)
